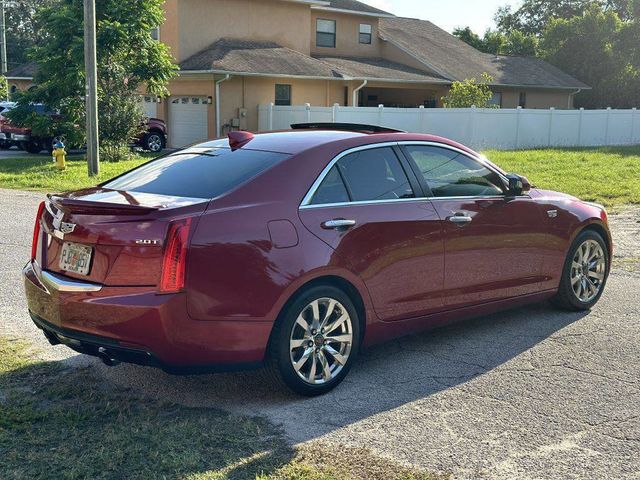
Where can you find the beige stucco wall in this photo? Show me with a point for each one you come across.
(169, 29)
(202, 22)
(247, 93)
(537, 98)
(21, 85)
(347, 35)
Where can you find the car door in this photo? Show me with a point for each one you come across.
(494, 243)
(365, 206)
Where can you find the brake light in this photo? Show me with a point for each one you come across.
(175, 257)
(36, 231)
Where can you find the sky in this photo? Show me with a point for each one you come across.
(447, 14)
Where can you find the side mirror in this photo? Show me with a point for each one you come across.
(518, 185)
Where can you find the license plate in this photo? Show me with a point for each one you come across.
(75, 258)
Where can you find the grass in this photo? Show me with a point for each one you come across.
(38, 173)
(63, 422)
(610, 176)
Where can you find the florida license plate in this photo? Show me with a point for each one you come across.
(75, 258)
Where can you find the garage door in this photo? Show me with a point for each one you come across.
(149, 106)
(188, 121)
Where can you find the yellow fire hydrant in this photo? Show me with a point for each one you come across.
(60, 156)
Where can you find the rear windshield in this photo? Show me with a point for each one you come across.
(196, 175)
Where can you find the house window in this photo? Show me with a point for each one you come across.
(523, 100)
(155, 33)
(365, 33)
(283, 95)
(326, 33)
(496, 99)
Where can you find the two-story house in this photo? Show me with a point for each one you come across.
(237, 54)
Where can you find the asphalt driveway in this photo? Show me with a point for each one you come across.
(531, 393)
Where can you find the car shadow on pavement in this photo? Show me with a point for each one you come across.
(385, 377)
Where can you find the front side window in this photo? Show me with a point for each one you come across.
(365, 33)
(451, 174)
(196, 175)
(326, 33)
(283, 95)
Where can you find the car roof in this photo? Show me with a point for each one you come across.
(293, 142)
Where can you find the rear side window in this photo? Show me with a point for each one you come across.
(197, 175)
(331, 190)
(375, 174)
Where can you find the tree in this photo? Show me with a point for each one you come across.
(129, 61)
(22, 28)
(601, 50)
(498, 43)
(535, 15)
(4, 90)
(470, 93)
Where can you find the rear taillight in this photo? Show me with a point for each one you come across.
(36, 231)
(175, 257)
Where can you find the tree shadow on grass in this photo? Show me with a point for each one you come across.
(58, 422)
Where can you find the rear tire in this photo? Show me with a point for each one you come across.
(311, 363)
(584, 274)
(31, 147)
(153, 142)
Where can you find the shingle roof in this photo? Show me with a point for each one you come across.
(27, 70)
(355, 6)
(454, 59)
(241, 56)
(378, 68)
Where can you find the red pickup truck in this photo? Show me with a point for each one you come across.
(153, 139)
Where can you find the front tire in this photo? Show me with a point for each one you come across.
(585, 273)
(315, 341)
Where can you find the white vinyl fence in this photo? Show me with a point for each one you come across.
(502, 129)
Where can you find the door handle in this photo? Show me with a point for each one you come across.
(461, 219)
(338, 224)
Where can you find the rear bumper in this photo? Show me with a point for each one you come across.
(136, 325)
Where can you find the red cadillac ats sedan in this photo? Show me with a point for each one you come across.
(295, 249)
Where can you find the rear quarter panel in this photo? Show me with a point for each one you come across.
(240, 269)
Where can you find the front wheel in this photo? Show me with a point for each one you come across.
(316, 341)
(585, 273)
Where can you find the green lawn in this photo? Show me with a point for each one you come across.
(65, 423)
(610, 176)
(38, 173)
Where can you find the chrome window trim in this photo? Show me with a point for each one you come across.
(306, 201)
(363, 202)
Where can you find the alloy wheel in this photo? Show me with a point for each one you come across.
(154, 143)
(321, 341)
(588, 271)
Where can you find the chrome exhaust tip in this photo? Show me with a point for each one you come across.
(107, 359)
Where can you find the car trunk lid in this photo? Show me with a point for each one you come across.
(124, 230)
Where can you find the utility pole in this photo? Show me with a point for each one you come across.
(91, 72)
(3, 48)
